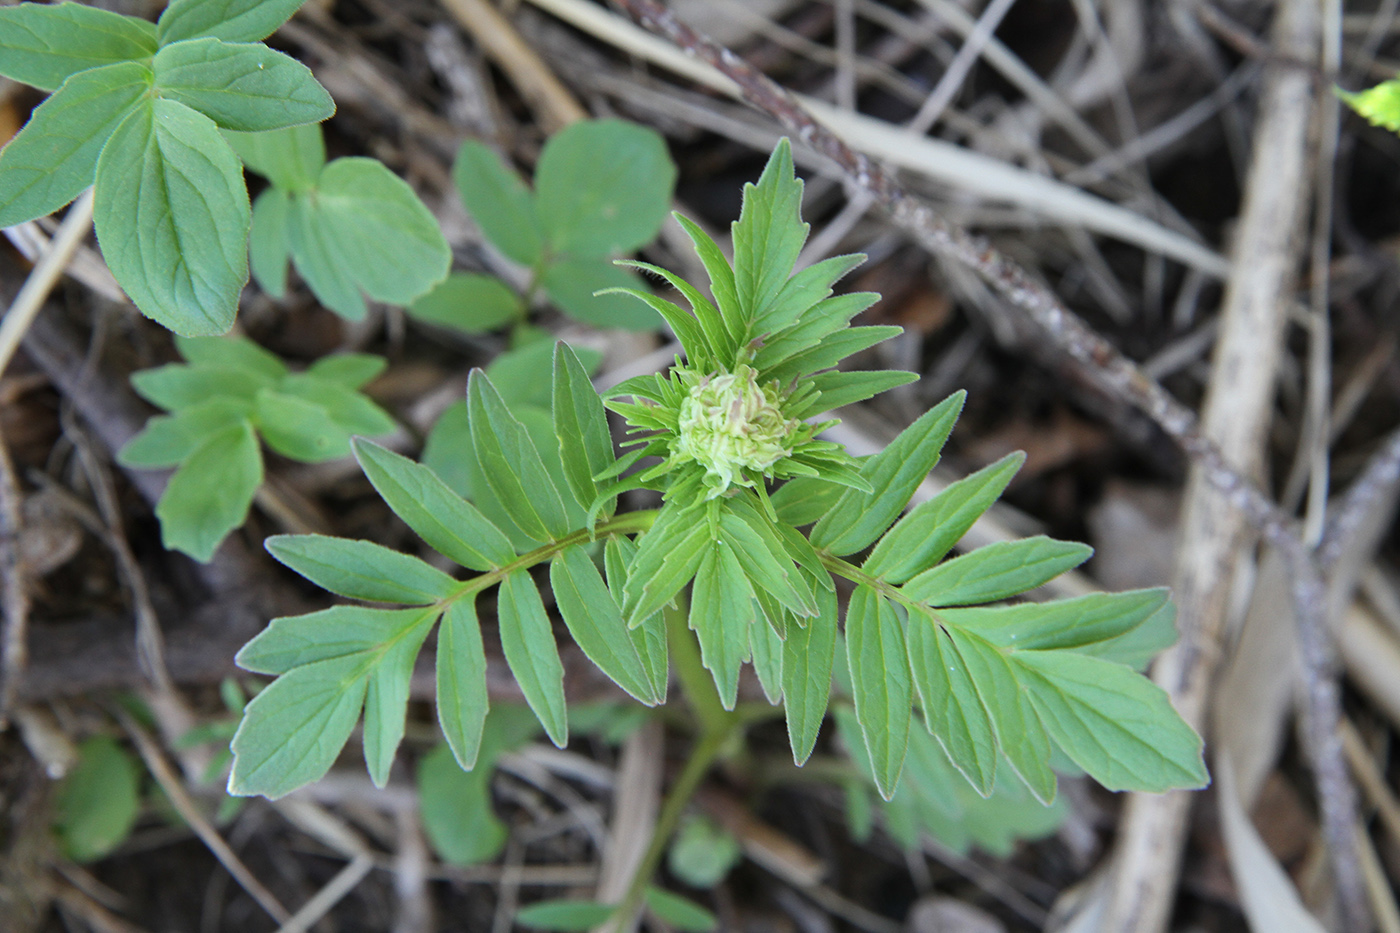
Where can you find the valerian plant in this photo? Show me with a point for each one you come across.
(760, 520)
(136, 111)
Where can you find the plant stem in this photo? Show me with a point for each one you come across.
(717, 725)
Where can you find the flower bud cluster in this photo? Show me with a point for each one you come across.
(729, 424)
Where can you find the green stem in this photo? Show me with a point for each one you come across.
(717, 725)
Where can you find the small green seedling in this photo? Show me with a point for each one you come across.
(602, 189)
(228, 394)
(760, 517)
(351, 227)
(97, 802)
(136, 111)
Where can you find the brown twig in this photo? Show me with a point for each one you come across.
(14, 642)
(1120, 378)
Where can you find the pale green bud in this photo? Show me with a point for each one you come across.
(729, 424)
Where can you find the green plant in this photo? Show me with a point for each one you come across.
(349, 226)
(136, 111)
(601, 189)
(230, 393)
(723, 572)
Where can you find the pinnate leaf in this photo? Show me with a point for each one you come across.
(462, 701)
(808, 654)
(952, 708)
(1062, 623)
(172, 217)
(573, 284)
(270, 240)
(580, 425)
(362, 569)
(595, 621)
(386, 698)
(294, 641)
(54, 157)
(722, 609)
(45, 44)
(997, 571)
(510, 464)
(768, 234)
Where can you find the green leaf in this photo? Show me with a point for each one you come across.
(293, 730)
(230, 20)
(290, 158)
(245, 87)
(386, 699)
(511, 465)
(805, 289)
(450, 525)
(688, 328)
(602, 187)
(842, 388)
(469, 302)
(340, 631)
(667, 557)
(54, 157)
(96, 804)
(804, 500)
(702, 853)
(346, 407)
(831, 350)
(362, 569)
(175, 386)
(456, 805)
(573, 283)
(768, 234)
(721, 611)
(209, 495)
(231, 352)
(1115, 724)
(516, 374)
(722, 285)
(922, 538)
(595, 621)
(1138, 646)
(166, 440)
(499, 201)
(808, 653)
(1060, 623)
(648, 637)
(564, 915)
(172, 217)
(766, 648)
(298, 429)
(462, 701)
(764, 560)
(824, 319)
(679, 913)
(880, 682)
(858, 518)
(1380, 105)
(1019, 732)
(580, 425)
(348, 370)
(952, 708)
(528, 641)
(364, 229)
(270, 240)
(997, 571)
(44, 45)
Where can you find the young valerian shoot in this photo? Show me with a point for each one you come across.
(742, 471)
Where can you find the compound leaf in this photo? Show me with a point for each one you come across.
(166, 440)
(290, 158)
(54, 157)
(511, 465)
(880, 683)
(462, 701)
(348, 370)
(602, 187)
(209, 495)
(808, 654)
(528, 641)
(1115, 724)
(246, 87)
(768, 235)
(1139, 645)
(386, 698)
(298, 429)
(573, 283)
(1061, 623)
(595, 621)
(858, 518)
(362, 569)
(648, 637)
(721, 611)
(172, 217)
(294, 641)
(45, 44)
(448, 523)
(229, 20)
(175, 386)
(842, 388)
(347, 408)
(679, 913)
(666, 560)
(233, 352)
(580, 424)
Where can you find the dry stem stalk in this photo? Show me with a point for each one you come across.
(1232, 491)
